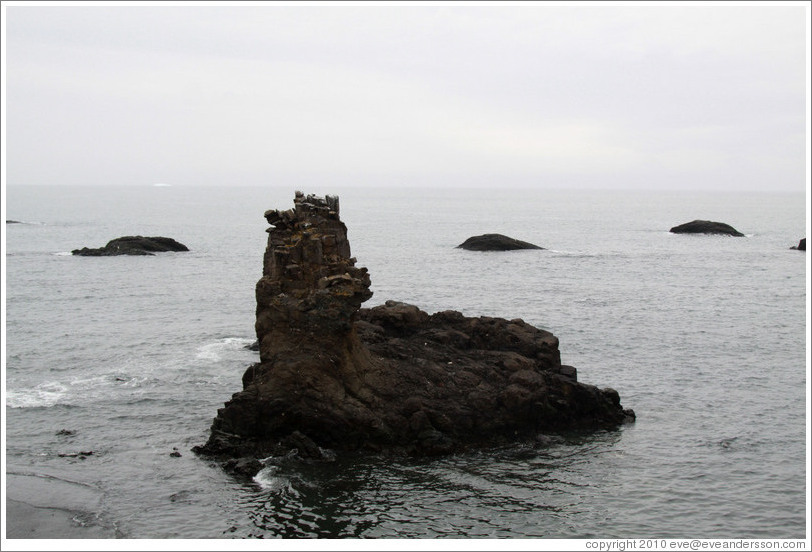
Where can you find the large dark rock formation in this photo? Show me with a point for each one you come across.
(801, 245)
(495, 242)
(391, 378)
(133, 245)
(706, 227)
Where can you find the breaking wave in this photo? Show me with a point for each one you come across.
(215, 352)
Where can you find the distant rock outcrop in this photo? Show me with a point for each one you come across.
(801, 245)
(391, 378)
(706, 227)
(495, 242)
(133, 245)
(13, 222)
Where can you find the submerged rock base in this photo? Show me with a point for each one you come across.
(390, 378)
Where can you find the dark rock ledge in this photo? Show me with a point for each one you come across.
(706, 227)
(133, 245)
(495, 242)
(334, 377)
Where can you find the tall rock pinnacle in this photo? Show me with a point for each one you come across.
(391, 378)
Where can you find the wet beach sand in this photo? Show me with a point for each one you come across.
(39, 506)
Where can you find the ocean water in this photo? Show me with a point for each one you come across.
(112, 364)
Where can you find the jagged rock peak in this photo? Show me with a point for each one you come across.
(309, 278)
(304, 207)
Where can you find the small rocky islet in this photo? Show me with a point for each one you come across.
(133, 245)
(706, 227)
(392, 379)
(495, 242)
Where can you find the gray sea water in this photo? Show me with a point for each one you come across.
(129, 358)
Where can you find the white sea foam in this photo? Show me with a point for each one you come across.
(54, 392)
(214, 352)
(45, 394)
(267, 479)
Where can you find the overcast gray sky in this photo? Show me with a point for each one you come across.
(598, 96)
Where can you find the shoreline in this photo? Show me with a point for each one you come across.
(39, 506)
(26, 521)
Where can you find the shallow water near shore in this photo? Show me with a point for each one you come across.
(114, 364)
